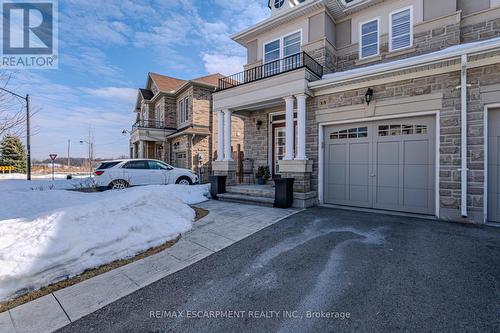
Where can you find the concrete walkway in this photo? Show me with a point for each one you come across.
(226, 224)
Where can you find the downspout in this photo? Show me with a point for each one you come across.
(463, 140)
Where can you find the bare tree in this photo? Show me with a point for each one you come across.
(12, 110)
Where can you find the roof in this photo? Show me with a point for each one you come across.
(146, 94)
(166, 83)
(212, 79)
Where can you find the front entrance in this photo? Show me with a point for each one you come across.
(279, 145)
(494, 166)
(386, 165)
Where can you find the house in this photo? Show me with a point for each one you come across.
(390, 105)
(174, 122)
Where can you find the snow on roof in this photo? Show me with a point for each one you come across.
(452, 51)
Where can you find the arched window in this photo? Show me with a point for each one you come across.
(278, 3)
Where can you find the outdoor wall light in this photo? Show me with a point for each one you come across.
(258, 123)
(369, 96)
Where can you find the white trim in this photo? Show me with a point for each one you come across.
(438, 163)
(282, 46)
(485, 147)
(321, 147)
(360, 32)
(411, 28)
(463, 138)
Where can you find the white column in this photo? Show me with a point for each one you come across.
(141, 149)
(220, 136)
(134, 152)
(290, 128)
(301, 127)
(227, 136)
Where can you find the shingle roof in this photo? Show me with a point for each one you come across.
(166, 83)
(212, 79)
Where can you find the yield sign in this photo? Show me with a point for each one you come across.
(53, 156)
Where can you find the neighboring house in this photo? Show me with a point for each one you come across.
(174, 122)
(374, 104)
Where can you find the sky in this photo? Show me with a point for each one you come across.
(106, 49)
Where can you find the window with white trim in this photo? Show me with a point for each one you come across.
(184, 110)
(369, 39)
(401, 34)
(272, 51)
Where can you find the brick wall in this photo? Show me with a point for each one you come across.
(201, 106)
(480, 31)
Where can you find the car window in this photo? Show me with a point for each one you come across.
(154, 165)
(136, 165)
(107, 165)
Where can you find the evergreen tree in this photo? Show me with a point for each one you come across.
(12, 153)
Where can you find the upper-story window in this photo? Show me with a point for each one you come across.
(278, 3)
(184, 110)
(401, 29)
(369, 39)
(282, 47)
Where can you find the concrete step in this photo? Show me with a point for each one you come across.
(246, 199)
(264, 191)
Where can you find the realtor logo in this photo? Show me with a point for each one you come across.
(29, 34)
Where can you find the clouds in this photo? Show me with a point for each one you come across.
(224, 64)
(121, 95)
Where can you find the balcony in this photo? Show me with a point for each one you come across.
(150, 130)
(149, 124)
(270, 69)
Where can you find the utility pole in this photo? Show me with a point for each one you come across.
(69, 145)
(28, 131)
(28, 138)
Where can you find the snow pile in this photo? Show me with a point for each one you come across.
(48, 236)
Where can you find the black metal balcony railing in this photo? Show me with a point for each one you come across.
(149, 124)
(287, 64)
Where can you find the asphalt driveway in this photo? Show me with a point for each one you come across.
(326, 270)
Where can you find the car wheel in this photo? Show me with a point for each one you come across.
(184, 181)
(118, 184)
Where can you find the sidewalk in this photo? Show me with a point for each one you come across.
(226, 224)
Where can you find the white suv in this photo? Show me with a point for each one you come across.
(120, 174)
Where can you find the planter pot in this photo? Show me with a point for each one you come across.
(261, 181)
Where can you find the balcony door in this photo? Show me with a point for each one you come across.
(279, 54)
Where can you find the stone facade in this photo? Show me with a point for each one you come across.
(480, 31)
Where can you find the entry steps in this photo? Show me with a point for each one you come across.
(260, 195)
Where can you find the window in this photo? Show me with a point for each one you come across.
(136, 165)
(351, 133)
(285, 47)
(278, 3)
(154, 165)
(272, 51)
(369, 39)
(394, 130)
(401, 34)
(184, 110)
(107, 165)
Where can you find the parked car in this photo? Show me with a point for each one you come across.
(120, 174)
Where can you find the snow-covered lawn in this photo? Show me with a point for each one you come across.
(50, 235)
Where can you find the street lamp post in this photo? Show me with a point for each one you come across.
(28, 130)
(91, 146)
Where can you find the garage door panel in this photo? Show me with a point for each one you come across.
(416, 176)
(387, 196)
(359, 174)
(416, 198)
(337, 174)
(337, 192)
(494, 166)
(359, 194)
(416, 152)
(338, 154)
(359, 153)
(388, 153)
(387, 175)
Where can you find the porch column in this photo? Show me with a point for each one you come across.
(227, 136)
(141, 149)
(301, 127)
(289, 137)
(220, 136)
(134, 151)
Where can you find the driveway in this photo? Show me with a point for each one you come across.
(326, 270)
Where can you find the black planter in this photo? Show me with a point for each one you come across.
(283, 195)
(217, 185)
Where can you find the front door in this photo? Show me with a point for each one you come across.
(279, 146)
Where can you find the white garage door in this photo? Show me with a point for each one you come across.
(386, 165)
(494, 166)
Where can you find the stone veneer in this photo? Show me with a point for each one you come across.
(446, 84)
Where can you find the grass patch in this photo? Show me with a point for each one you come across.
(90, 273)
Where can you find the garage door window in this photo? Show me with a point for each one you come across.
(395, 130)
(351, 133)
